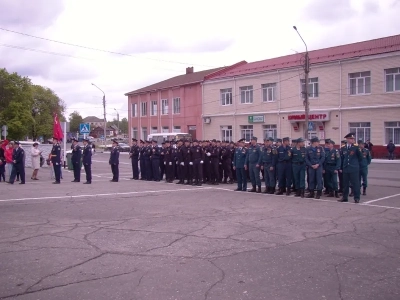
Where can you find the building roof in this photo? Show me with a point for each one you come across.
(355, 50)
(180, 80)
(92, 119)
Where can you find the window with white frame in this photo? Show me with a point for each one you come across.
(392, 132)
(153, 129)
(313, 88)
(392, 78)
(134, 110)
(135, 133)
(165, 129)
(246, 132)
(153, 108)
(226, 133)
(144, 133)
(360, 83)
(226, 97)
(268, 92)
(270, 131)
(246, 94)
(177, 105)
(362, 130)
(164, 106)
(143, 108)
(177, 129)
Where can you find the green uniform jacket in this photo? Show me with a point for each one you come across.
(254, 155)
(351, 158)
(366, 158)
(239, 157)
(333, 160)
(298, 155)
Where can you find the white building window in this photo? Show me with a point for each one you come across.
(360, 83)
(165, 129)
(153, 108)
(135, 133)
(226, 133)
(392, 77)
(270, 131)
(362, 130)
(392, 132)
(134, 110)
(226, 97)
(246, 94)
(177, 129)
(268, 92)
(144, 133)
(164, 106)
(143, 108)
(313, 88)
(153, 129)
(177, 105)
(246, 132)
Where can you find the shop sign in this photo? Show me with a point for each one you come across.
(256, 119)
(322, 116)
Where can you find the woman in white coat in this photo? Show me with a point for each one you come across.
(35, 153)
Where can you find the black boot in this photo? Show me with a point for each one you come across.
(302, 193)
(326, 192)
(298, 191)
(319, 193)
(364, 191)
(267, 189)
(288, 191)
(311, 194)
(253, 190)
(259, 189)
(331, 194)
(336, 194)
(280, 191)
(271, 190)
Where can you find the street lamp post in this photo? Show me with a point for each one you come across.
(305, 89)
(117, 120)
(105, 121)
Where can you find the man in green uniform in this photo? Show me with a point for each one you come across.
(351, 158)
(299, 167)
(332, 166)
(253, 160)
(365, 162)
(268, 165)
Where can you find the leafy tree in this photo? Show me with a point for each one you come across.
(74, 120)
(123, 125)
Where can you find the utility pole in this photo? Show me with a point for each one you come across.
(105, 120)
(305, 89)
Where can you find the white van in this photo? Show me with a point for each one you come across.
(162, 137)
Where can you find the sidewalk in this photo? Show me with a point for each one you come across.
(384, 161)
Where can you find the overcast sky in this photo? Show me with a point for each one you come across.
(161, 38)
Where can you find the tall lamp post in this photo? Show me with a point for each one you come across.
(305, 89)
(105, 121)
(117, 120)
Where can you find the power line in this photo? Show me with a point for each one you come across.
(102, 50)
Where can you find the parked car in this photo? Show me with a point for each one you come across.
(124, 147)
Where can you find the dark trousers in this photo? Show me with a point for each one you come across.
(227, 165)
(299, 175)
(142, 169)
(364, 176)
(155, 167)
(197, 170)
(3, 171)
(315, 178)
(148, 169)
(115, 172)
(162, 169)
(214, 170)
(352, 179)
(88, 171)
(57, 172)
(220, 172)
(284, 170)
(181, 172)
(241, 179)
(340, 182)
(135, 168)
(169, 171)
(255, 175)
(391, 155)
(331, 179)
(188, 171)
(18, 168)
(207, 170)
(269, 176)
(77, 171)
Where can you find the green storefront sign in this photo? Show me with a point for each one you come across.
(256, 119)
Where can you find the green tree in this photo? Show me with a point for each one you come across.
(74, 120)
(123, 125)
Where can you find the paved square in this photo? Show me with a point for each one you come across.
(148, 240)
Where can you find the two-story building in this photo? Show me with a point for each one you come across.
(351, 88)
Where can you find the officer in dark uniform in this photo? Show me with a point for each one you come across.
(207, 162)
(134, 156)
(299, 167)
(342, 144)
(351, 159)
(147, 161)
(162, 166)
(253, 159)
(332, 165)
(76, 160)
(226, 155)
(284, 167)
(55, 157)
(239, 160)
(180, 163)
(141, 161)
(197, 156)
(365, 162)
(18, 157)
(233, 172)
(315, 158)
(215, 155)
(155, 160)
(268, 164)
(324, 180)
(187, 162)
(87, 160)
(168, 157)
(114, 161)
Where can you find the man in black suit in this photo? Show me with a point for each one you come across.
(19, 163)
(76, 160)
(87, 161)
(114, 161)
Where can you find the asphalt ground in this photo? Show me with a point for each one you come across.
(148, 240)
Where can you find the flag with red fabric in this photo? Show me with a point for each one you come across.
(57, 131)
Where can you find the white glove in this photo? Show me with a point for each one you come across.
(182, 163)
(220, 163)
(170, 163)
(208, 154)
(201, 161)
(165, 163)
(191, 163)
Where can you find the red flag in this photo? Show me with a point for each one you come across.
(57, 131)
